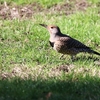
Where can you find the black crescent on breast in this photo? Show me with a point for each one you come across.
(51, 43)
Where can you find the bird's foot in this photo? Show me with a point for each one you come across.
(73, 58)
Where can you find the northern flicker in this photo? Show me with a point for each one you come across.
(65, 44)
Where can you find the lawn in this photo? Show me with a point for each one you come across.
(30, 69)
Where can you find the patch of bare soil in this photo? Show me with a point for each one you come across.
(71, 7)
(27, 11)
(64, 68)
(13, 12)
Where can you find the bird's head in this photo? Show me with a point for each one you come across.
(53, 30)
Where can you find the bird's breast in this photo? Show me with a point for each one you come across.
(58, 46)
(62, 48)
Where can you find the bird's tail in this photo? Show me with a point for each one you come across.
(92, 51)
(89, 51)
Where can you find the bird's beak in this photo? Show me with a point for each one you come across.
(43, 25)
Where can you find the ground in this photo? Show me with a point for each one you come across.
(27, 11)
(30, 69)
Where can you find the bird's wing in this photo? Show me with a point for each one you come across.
(72, 43)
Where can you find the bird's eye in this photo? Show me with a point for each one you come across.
(52, 27)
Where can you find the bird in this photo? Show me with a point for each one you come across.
(65, 44)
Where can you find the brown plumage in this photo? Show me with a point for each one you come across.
(65, 44)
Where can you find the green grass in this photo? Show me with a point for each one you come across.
(28, 65)
(93, 1)
(44, 3)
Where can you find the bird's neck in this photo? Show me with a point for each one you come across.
(54, 37)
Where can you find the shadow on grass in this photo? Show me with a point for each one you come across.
(87, 88)
(83, 57)
(88, 58)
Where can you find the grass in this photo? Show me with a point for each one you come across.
(44, 3)
(29, 67)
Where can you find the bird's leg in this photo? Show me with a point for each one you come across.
(92, 55)
(73, 57)
(61, 56)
